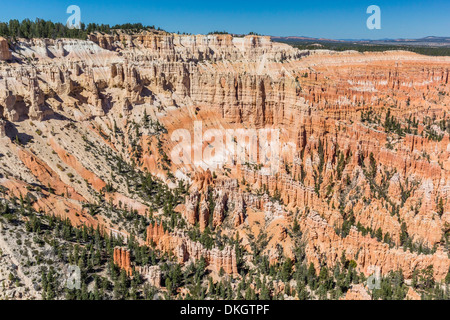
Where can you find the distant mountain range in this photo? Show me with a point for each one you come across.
(430, 41)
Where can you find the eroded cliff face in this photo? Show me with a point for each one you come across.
(364, 165)
(175, 48)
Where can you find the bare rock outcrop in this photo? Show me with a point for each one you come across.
(191, 212)
(152, 274)
(357, 292)
(5, 54)
(220, 208)
(2, 128)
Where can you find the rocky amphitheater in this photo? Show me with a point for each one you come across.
(363, 174)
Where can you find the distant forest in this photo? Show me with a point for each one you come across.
(362, 47)
(40, 28)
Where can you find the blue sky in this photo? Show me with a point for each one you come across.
(315, 18)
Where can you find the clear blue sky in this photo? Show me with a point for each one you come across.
(315, 18)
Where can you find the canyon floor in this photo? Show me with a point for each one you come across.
(94, 177)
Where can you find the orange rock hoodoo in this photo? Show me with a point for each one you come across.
(123, 260)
